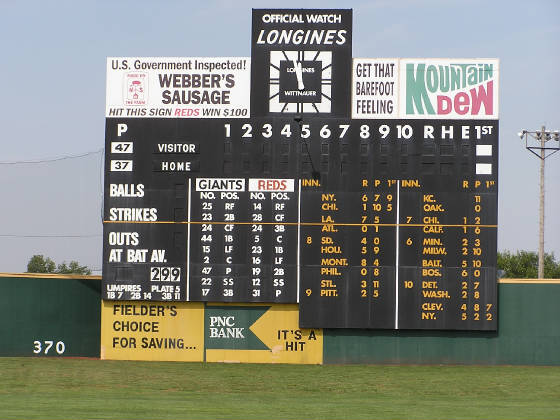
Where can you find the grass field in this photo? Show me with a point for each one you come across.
(94, 389)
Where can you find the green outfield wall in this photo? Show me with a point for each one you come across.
(57, 315)
(49, 315)
(528, 334)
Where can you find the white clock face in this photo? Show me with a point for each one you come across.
(300, 81)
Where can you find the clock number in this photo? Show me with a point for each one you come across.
(267, 131)
(384, 130)
(305, 132)
(287, 131)
(343, 130)
(364, 131)
(248, 130)
(404, 131)
(325, 132)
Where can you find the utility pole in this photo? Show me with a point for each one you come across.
(541, 137)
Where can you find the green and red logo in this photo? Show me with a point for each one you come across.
(449, 88)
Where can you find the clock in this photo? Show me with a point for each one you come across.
(300, 81)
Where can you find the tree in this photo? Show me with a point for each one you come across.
(73, 268)
(524, 264)
(40, 264)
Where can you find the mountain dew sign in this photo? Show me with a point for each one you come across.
(425, 88)
(448, 88)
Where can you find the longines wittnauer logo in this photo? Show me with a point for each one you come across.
(300, 81)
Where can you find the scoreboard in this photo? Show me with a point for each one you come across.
(365, 190)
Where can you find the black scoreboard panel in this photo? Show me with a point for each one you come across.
(365, 223)
(222, 194)
(401, 232)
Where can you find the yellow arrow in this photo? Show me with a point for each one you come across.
(279, 330)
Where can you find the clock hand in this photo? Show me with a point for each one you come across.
(299, 74)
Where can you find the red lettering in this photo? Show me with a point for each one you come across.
(461, 103)
(483, 96)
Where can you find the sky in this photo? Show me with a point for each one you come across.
(53, 98)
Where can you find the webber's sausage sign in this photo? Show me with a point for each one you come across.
(174, 87)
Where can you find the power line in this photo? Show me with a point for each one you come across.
(55, 159)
